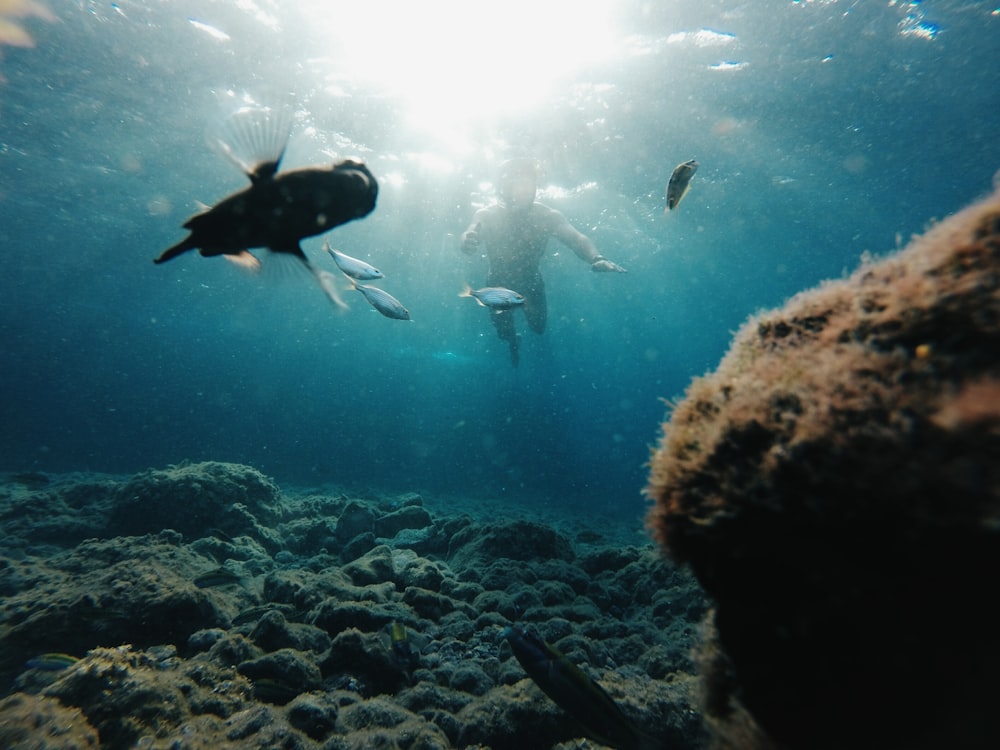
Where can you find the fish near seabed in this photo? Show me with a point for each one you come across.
(279, 209)
(680, 182)
(575, 692)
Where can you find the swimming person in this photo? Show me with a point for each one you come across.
(515, 232)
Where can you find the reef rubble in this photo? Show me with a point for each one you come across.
(835, 486)
(201, 606)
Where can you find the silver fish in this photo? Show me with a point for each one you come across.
(356, 269)
(382, 301)
(494, 297)
(679, 183)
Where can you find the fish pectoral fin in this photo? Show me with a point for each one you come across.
(328, 283)
(244, 259)
(294, 250)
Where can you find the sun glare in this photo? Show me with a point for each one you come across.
(453, 62)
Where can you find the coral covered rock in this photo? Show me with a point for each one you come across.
(835, 485)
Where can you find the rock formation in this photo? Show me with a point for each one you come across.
(835, 486)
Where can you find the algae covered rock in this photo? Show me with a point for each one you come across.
(192, 498)
(106, 592)
(475, 546)
(32, 722)
(241, 643)
(835, 486)
(127, 694)
(281, 675)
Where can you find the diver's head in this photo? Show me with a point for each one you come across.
(517, 182)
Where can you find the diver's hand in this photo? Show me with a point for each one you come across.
(470, 240)
(603, 265)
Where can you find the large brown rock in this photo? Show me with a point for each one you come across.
(835, 486)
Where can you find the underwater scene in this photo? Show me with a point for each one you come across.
(499, 375)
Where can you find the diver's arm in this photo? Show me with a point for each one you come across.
(581, 244)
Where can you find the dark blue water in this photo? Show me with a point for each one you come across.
(824, 130)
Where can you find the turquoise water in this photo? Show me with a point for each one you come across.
(824, 130)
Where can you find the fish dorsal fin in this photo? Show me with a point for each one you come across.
(254, 138)
(265, 170)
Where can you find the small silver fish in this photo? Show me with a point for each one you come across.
(494, 297)
(382, 301)
(356, 269)
(679, 183)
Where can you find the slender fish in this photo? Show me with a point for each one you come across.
(382, 301)
(574, 692)
(51, 662)
(679, 183)
(221, 576)
(353, 267)
(494, 297)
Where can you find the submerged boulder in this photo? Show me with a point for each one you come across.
(35, 721)
(476, 546)
(193, 498)
(835, 486)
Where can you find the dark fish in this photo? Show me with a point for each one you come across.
(496, 298)
(218, 577)
(51, 662)
(221, 535)
(382, 301)
(278, 210)
(574, 692)
(679, 183)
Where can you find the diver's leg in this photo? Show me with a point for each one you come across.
(504, 323)
(536, 308)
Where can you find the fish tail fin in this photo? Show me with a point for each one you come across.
(172, 252)
(466, 290)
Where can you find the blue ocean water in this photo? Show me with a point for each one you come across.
(824, 130)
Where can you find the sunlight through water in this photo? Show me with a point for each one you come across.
(453, 62)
